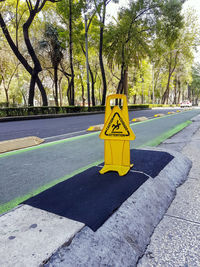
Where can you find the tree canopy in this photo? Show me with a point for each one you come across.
(63, 52)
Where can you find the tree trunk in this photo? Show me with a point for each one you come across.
(7, 97)
(42, 91)
(32, 89)
(82, 91)
(175, 91)
(120, 87)
(24, 98)
(179, 90)
(165, 96)
(93, 82)
(126, 82)
(69, 97)
(101, 55)
(60, 91)
(71, 54)
(56, 85)
(189, 91)
(121, 82)
(134, 99)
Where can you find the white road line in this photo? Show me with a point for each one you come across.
(62, 135)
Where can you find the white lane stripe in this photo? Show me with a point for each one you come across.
(62, 135)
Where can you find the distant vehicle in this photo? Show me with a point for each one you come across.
(185, 103)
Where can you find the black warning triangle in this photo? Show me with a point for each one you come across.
(116, 127)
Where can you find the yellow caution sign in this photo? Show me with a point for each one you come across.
(117, 134)
(116, 127)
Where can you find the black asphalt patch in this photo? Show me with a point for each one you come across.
(149, 162)
(91, 198)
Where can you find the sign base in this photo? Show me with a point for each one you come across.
(122, 170)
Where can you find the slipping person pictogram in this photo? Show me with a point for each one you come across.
(116, 127)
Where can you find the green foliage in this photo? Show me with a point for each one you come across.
(28, 111)
(171, 21)
(147, 37)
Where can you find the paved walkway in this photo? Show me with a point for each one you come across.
(176, 239)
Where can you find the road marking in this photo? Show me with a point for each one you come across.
(56, 136)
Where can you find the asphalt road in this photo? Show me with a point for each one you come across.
(60, 128)
(24, 171)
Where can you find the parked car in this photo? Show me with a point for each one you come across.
(185, 103)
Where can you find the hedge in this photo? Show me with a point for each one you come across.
(26, 111)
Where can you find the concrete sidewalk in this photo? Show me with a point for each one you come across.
(176, 239)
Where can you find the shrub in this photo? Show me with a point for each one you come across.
(28, 111)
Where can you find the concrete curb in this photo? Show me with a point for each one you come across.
(159, 115)
(139, 119)
(19, 143)
(95, 128)
(123, 238)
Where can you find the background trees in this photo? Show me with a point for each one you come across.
(146, 53)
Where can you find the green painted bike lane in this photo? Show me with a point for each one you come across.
(27, 172)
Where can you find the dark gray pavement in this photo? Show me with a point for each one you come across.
(61, 128)
(24, 171)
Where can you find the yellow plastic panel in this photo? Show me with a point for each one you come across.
(117, 134)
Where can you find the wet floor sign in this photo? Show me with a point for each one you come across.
(116, 134)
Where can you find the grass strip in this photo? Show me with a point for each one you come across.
(158, 140)
(13, 203)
